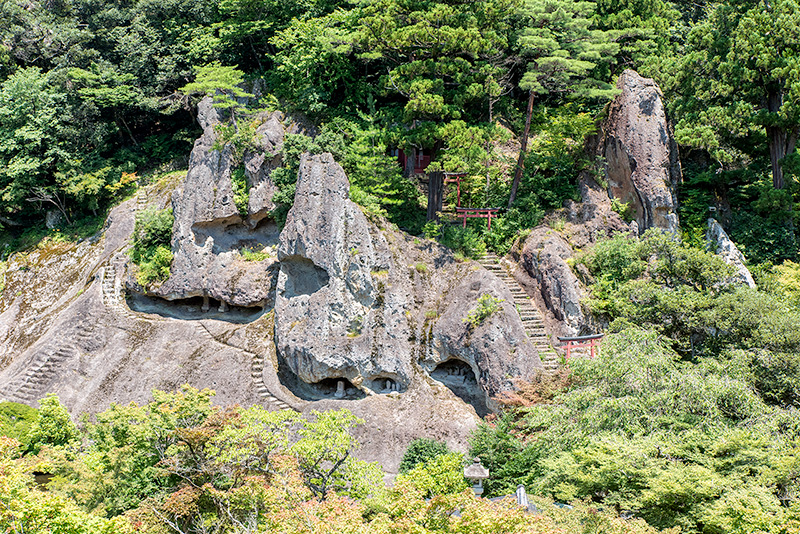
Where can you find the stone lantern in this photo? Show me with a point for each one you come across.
(476, 473)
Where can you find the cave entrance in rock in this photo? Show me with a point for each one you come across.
(335, 388)
(193, 309)
(385, 384)
(236, 235)
(459, 378)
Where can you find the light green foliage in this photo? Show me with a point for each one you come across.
(487, 305)
(53, 425)
(152, 234)
(250, 254)
(443, 474)
(420, 451)
(623, 209)
(16, 420)
(679, 443)
(241, 191)
(325, 458)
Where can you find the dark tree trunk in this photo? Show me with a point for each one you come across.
(523, 149)
(435, 190)
(781, 141)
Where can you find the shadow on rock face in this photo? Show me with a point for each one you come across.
(193, 309)
(303, 276)
(459, 378)
(333, 388)
(228, 237)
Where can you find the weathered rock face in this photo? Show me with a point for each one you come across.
(641, 156)
(719, 243)
(497, 350)
(209, 231)
(348, 304)
(544, 257)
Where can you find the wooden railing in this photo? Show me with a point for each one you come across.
(581, 342)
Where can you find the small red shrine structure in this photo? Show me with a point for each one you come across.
(581, 342)
(481, 213)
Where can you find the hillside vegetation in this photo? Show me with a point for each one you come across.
(685, 422)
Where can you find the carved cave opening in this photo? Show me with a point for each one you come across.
(195, 309)
(237, 234)
(337, 388)
(303, 276)
(383, 384)
(459, 378)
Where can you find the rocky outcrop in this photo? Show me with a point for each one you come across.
(544, 258)
(496, 350)
(209, 230)
(348, 304)
(642, 165)
(719, 243)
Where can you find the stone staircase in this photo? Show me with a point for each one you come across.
(532, 320)
(32, 384)
(256, 369)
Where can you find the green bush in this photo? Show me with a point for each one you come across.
(241, 191)
(152, 234)
(16, 420)
(487, 305)
(420, 451)
(156, 268)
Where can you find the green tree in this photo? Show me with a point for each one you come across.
(740, 79)
(563, 52)
(420, 451)
(53, 425)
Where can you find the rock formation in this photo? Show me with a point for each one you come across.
(210, 231)
(719, 243)
(347, 304)
(642, 165)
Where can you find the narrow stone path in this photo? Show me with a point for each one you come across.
(531, 318)
(256, 369)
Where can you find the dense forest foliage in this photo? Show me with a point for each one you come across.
(688, 418)
(96, 97)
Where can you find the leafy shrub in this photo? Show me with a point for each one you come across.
(241, 191)
(250, 254)
(53, 425)
(152, 234)
(155, 268)
(420, 451)
(487, 305)
(16, 420)
(443, 474)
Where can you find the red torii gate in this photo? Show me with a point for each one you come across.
(581, 342)
(480, 213)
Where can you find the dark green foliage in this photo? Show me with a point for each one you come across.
(420, 451)
(241, 191)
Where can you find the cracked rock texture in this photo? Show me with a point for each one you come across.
(209, 230)
(642, 164)
(719, 243)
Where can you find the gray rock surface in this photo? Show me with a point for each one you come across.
(719, 243)
(642, 165)
(352, 305)
(544, 257)
(209, 231)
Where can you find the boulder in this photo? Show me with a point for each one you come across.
(210, 232)
(642, 165)
(544, 258)
(719, 243)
